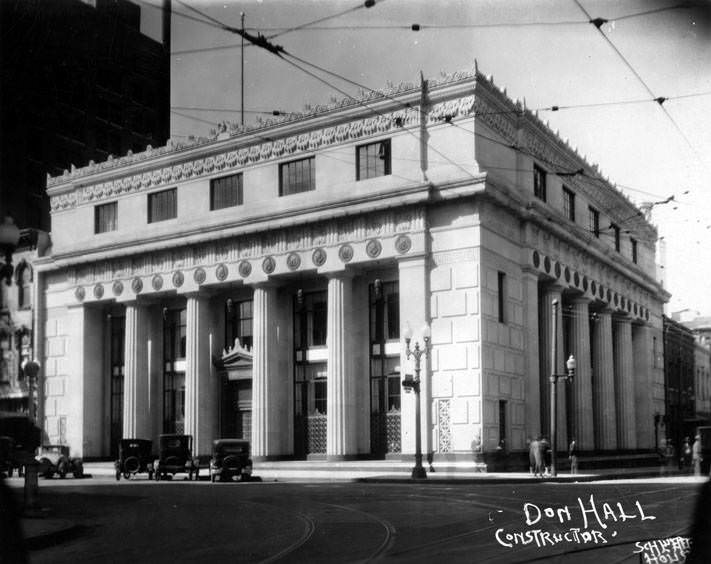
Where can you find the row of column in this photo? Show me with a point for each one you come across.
(604, 392)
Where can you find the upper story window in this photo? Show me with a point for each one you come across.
(174, 334)
(616, 233)
(310, 320)
(24, 286)
(373, 160)
(569, 203)
(239, 322)
(226, 192)
(384, 311)
(163, 205)
(634, 250)
(594, 223)
(297, 176)
(106, 217)
(539, 182)
(502, 296)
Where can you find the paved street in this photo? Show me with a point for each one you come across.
(180, 521)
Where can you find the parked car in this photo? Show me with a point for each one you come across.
(175, 456)
(230, 459)
(7, 449)
(25, 436)
(55, 459)
(135, 455)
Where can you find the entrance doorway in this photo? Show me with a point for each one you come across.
(236, 410)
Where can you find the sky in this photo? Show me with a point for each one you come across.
(545, 52)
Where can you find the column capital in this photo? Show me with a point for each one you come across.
(579, 299)
(530, 272)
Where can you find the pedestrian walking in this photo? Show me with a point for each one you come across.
(696, 457)
(532, 447)
(573, 456)
(686, 453)
(541, 468)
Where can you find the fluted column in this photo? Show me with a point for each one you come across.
(265, 405)
(529, 282)
(624, 385)
(549, 366)
(341, 420)
(136, 410)
(643, 385)
(582, 383)
(605, 412)
(200, 412)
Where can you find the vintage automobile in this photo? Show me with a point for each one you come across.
(7, 449)
(25, 437)
(175, 456)
(135, 455)
(230, 459)
(55, 459)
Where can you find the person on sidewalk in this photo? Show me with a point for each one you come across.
(541, 457)
(532, 450)
(573, 456)
(696, 458)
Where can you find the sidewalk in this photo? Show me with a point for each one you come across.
(47, 530)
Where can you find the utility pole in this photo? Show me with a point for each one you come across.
(242, 74)
(424, 135)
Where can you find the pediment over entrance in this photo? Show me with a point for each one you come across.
(235, 362)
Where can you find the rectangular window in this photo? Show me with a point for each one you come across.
(310, 320)
(163, 205)
(502, 297)
(634, 250)
(569, 203)
(373, 160)
(502, 423)
(105, 217)
(616, 233)
(594, 222)
(226, 192)
(321, 396)
(238, 324)
(539, 183)
(297, 176)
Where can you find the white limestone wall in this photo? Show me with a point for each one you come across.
(455, 285)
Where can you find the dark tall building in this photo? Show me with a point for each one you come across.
(79, 82)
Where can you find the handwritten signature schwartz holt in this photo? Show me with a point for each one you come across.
(593, 519)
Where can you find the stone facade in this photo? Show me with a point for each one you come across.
(384, 231)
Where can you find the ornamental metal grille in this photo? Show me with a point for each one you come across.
(316, 429)
(444, 429)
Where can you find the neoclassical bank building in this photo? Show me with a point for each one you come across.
(259, 283)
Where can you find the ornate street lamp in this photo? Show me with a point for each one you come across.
(418, 472)
(568, 376)
(9, 239)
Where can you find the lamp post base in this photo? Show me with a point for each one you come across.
(419, 473)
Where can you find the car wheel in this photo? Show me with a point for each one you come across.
(78, 469)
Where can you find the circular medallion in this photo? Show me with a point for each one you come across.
(178, 279)
(608, 294)
(137, 285)
(556, 269)
(585, 283)
(293, 261)
(268, 265)
(373, 248)
(345, 253)
(199, 275)
(566, 274)
(536, 259)
(157, 282)
(117, 288)
(318, 257)
(99, 291)
(80, 293)
(547, 264)
(403, 244)
(576, 279)
(593, 288)
(245, 268)
(221, 272)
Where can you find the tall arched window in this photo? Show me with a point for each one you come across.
(24, 285)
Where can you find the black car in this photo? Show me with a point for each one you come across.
(135, 455)
(230, 459)
(175, 456)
